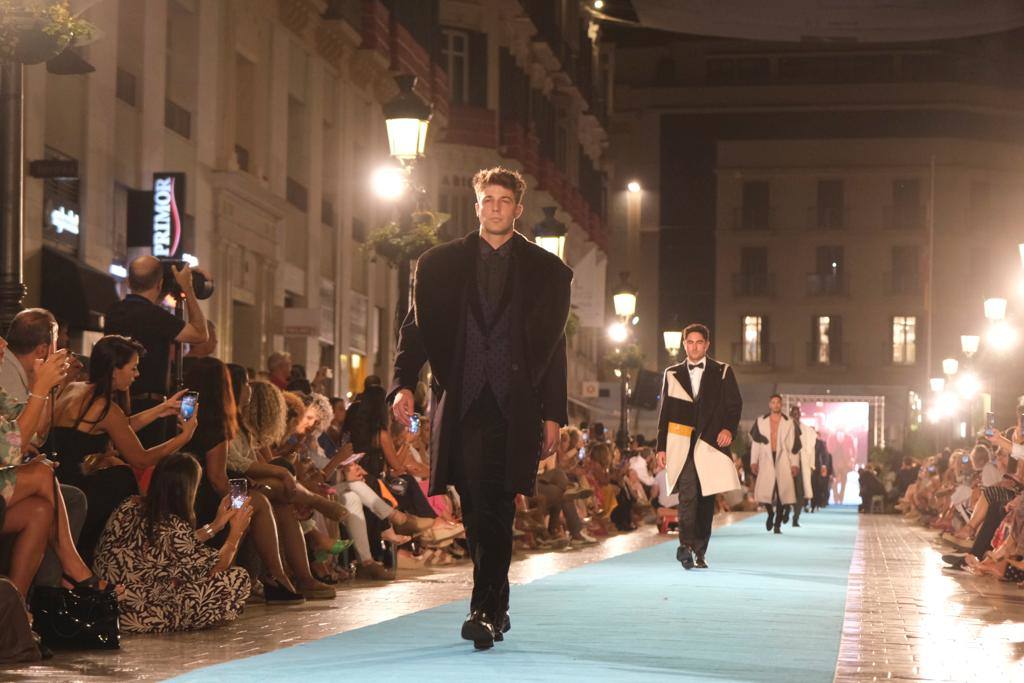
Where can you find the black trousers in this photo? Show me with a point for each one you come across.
(696, 511)
(798, 484)
(488, 507)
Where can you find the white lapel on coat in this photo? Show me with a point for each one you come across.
(676, 389)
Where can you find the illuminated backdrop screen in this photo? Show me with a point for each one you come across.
(844, 428)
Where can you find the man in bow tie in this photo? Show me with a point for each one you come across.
(700, 412)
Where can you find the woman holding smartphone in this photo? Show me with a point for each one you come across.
(92, 416)
(218, 426)
(174, 580)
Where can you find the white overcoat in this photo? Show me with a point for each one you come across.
(772, 472)
(808, 436)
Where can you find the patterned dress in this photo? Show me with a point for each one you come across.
(10, 444)
(167, 584)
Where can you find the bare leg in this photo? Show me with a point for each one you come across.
(293, 545)
(29, 520)
(36, 480)
(264, 534)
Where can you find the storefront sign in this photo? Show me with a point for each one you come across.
(168, 205)
(63, 219)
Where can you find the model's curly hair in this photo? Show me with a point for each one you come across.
(266, 414)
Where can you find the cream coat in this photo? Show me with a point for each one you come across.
(808, 436)
(772, 472)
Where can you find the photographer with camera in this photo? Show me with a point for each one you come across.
(141, 317)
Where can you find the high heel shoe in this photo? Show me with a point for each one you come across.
(411, 525)
(90, 583)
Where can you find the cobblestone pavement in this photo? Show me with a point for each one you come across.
(909, 619)
(359, 603)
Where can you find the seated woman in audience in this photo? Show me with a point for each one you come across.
(1005, 560)
(370, 436)
(283, 490)
(91, 416)
(34, 511)
(174, 579)
(218, 425)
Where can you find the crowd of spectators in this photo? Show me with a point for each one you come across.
(974, 499)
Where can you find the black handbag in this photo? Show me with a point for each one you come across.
(76, 619)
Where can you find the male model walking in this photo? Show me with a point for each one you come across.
(700, 411)
(774, 463)
(489, 313)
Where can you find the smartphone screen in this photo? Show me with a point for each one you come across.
(188, 405)
(414, 423)
(238, 489)
(54, 333)
(990, 424)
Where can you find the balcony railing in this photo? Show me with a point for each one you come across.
(753, 284)
(763, 355)
(752, 218)
(827, 217)
(902, 283)
(826, 284)
(834, 355)
(904, 217)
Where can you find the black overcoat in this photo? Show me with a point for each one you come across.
(434, 332)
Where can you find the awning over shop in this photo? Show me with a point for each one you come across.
(75, 293)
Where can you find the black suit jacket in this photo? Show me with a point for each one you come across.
(434, 332)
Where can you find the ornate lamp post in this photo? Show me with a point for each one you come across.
(407, 118)
(673, 342)
(550, 232)
(624, 301)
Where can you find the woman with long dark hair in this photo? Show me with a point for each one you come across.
(174, 580)
(218, 426)
(91, 417)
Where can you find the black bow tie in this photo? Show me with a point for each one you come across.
(694, 367)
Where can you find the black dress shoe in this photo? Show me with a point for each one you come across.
(700, 563)
(478, 629)
(954, 561)
(685, 558)
(785, 515)
(778, 530)
(770, 522)
(506, 626)
(796, 524)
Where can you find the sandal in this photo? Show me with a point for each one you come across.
(337, 548)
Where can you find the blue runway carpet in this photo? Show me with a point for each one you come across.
(769, 609)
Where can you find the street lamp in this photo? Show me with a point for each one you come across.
(624, 298)
(389, 182)
(969, 344)
(995, 308)
(550, 232)
(618, 333)
(408, 119)
(950, 366)
(633, 187)
(1001, 336)
(937, 384)
(673, 341)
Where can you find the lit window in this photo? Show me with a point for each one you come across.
(752, 337)
(824, 339)
(904, 340)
